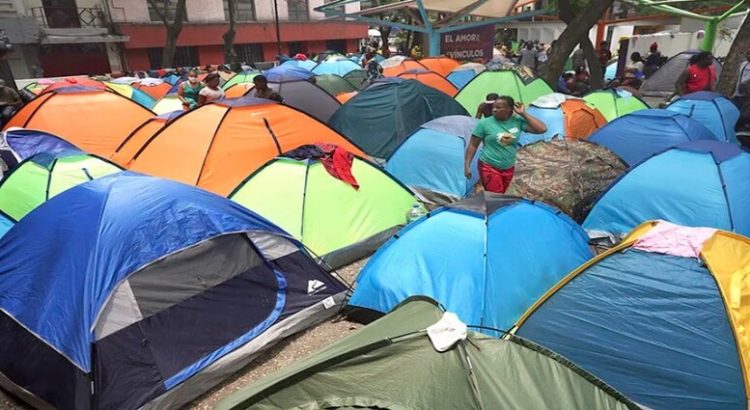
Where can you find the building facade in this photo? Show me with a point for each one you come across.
(69, 37)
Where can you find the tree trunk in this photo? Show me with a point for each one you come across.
(385, 33)
(574, 32)
(597, 76)
(230, 56)
(735, 57)
(173, 33)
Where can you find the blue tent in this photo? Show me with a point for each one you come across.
(119, 292)
(339, 66)
(287, 73)
(639, 135)
(381, 116)
(431, 160)
(700, 183)
(713, 110)
(487, 258)
(25, 143)
(303, 64)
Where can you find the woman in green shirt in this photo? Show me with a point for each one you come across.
(499, 134)
(188, 91)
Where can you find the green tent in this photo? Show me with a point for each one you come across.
(505, 82)
(614, 103)
(331, 217)
(240, 78)
(334, 84)
(42, 176)
(357, 78)
(392, 364)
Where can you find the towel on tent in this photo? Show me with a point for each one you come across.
(336, 160)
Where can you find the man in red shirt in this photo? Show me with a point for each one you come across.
(604, 55)
(700, 75)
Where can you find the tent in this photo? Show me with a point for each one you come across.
(334, 84)
(564, 116)
(339, 66)
(217, 145)
(381, 116)
(661, 83)
(44, 175)
(614, 103)
(505, 82)
(431, 79)
(238, 90)
(18, 144)
(441, 64)
(343, 98)
(286, 73)
(487, 258)
(659, 317)
(303, 64)
(165, 292)
(133, 94)
(431, 160)
(699, 183)
(392, 364)
(639, 135)
(358, 78)
(154, 87)
(335, 220)
(461, 75)
(141, 135)
(169, 103)
(716, 112)
(75, 82)
(94, 120)
(568, 174)
(396, 65)
(245, 77)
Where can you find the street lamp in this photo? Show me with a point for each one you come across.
(278, 27)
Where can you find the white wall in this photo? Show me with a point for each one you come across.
(202, 11)
(129, 11)
(264, 10)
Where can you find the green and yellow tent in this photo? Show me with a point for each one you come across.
(614, 103)
(504, 82)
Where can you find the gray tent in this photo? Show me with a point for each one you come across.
(661, 83)
(307, 97)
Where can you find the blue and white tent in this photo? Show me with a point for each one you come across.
(18, 144)
(713, 110)
(487, 258)
(340, 66)
(639, 135)
(130, 291)
(431, 160)
(700, 183)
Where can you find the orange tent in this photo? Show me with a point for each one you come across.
(217, 145)
(431, 79)
(441, 65)
(154, 89)
(92, 119)
(392, 67)
(238, 90)
(581, 119)
(344, 97)
(75, 81)
(141, 135)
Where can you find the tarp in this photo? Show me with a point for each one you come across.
(659, 328)
(567, 174)
(716, 112)
(404, 370)
(487, 258)
(614, 103)
(662, 82)
(699, 183)
(639, 135)
(380, 117)
(503, 83)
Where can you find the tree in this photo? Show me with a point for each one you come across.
(730, 72)
(173, 28)
(573, 34)
(230, 56)
(567, 13)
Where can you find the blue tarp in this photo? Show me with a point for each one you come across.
(639, 135)
(69, 265)
(652, 326)
(487, 264)
(712, 110)
(701, 183)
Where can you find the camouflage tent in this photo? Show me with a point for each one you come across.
(568, 174)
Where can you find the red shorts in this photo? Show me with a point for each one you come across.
(493, 179)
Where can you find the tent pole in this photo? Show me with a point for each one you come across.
(709, 36)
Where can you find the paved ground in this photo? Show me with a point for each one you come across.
(279, 356)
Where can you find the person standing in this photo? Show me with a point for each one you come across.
(188, 91)
(211, 92)
(499, 134)
(528, 57)
(604, 55)
(700, 75)
(10, 102)
(484, 109)
(579, 59)
(653, 60)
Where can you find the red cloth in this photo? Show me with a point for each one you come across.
(700, 78)
(338, 162)
(494, 179)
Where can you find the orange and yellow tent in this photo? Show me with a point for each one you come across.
(431, 79)
(394, 66)
(217, 145)
(581, 119)
(442, 65)
(238, 90)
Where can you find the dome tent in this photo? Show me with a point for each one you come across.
(396, 65)
(335, 220)
(303, 95)
(245, 77)
(339, 66)
(440, 64)
(661, 83)
(614, 103)
(699, 183)
(396, 355)
(487, 258)
(564, 116)
(658, 317)
(124, 294)
(641, 134)
(431, 79)
(141, 135)
(461, 75)
(18, 144)
(402, 106)
(713, 110)
(505, 82)
(334, 84)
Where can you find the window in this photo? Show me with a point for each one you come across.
(336, 45)
(297, 10)
(244, 10)
(295, 47)
(333, 11)
(171, 7)
(249, 53)
(183, 57)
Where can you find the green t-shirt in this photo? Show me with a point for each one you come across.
(489, 130)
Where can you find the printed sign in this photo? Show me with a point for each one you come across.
(469, 44)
